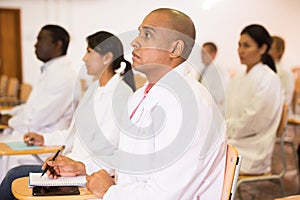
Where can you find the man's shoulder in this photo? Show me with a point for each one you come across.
(61, 62)
(62, 67)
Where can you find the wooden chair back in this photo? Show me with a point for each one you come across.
(231, 173)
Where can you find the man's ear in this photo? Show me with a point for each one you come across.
(59, 45)
(177, 47)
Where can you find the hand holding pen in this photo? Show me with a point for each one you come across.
(47, 165)
(64, 166)
(32, 138)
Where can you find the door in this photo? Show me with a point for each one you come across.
(10, 43)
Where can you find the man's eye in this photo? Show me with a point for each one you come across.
(147, 35)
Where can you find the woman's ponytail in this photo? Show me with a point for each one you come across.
(127, 74)
(268, 60)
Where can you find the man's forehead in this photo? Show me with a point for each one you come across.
(45, 33)
(156, 20)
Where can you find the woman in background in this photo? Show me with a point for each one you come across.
(285, 74)
(254, 102)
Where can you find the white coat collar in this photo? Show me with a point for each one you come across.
(45, 66)
(110, 85)
(255, 68)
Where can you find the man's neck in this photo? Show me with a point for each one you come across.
(53, 58)
(208, 64)
(155, 75)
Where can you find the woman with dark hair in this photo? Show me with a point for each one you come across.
(107, 44)
(254, 102)
(95, 119)
(263, 40)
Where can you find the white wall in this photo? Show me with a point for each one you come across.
(219, 21)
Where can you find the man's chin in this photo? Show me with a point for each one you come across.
(136, 66)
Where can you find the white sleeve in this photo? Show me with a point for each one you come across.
(12, 111)
(260, 109)
(46, 105)
(61, 137)
(55, 138)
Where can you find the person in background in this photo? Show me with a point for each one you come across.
(53, 99)
(214, 78)
(94, 114)
(254, 102)
(173, 127)
(285, 74)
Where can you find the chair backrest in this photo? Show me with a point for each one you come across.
(280, 136)
(296, 72)
(25, 90)
(293, 197)
(3, 84)
(232, 170)
(283, 121)
(13, 87)
(296, 94)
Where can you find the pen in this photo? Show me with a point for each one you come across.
(30, 140)
(47, 166)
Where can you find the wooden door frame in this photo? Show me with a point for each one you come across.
(18, 53)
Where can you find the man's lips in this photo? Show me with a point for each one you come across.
(135, 55)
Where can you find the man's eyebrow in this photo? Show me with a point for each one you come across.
(149, 28)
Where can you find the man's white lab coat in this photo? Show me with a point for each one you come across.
(176, 140)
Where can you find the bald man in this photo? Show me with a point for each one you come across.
(173, 144)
